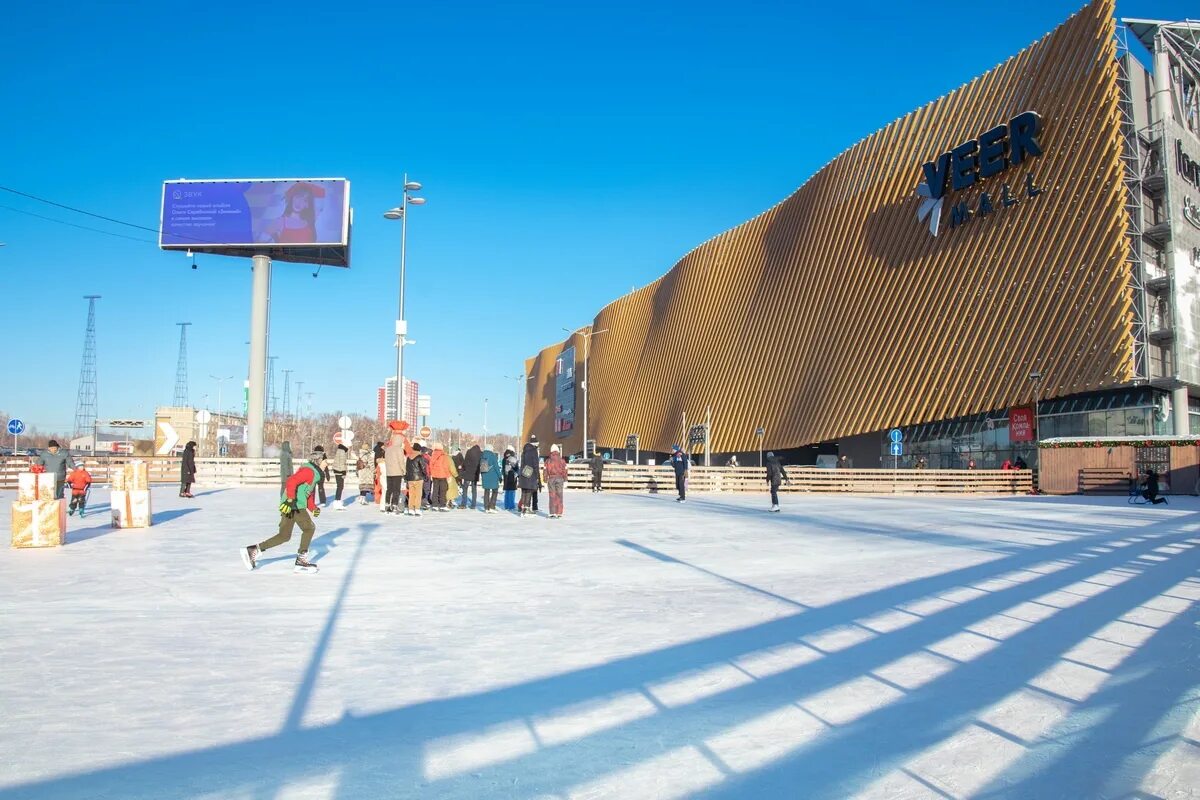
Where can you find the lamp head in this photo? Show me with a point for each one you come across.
(412, 186)
(416, 201)
(395, 213)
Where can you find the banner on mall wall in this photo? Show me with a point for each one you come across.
(564, 392)
(1020, 424)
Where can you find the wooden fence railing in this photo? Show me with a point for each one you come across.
(617, 477)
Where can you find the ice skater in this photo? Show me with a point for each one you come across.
(679, 460)
(1151, 492)
(556, 480)
(80, 480)
(298, 506)
(531, 479)
(56, 461)
(775, 474)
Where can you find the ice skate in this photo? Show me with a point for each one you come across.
(775, 508)
(303, 564)
(250, 556)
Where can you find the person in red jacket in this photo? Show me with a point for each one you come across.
(298, 506)
(80, 480)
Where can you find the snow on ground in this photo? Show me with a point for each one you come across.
(874, 647)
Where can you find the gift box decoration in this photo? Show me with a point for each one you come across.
(41, 523)
(33, 486)
(131, 476)
(131, 508)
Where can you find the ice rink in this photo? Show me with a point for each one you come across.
(874, 647)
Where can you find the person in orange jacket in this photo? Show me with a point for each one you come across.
(80, 480)
(439, 473)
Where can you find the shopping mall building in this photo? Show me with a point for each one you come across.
(1017, 259)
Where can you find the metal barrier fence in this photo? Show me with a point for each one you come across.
(617, 477)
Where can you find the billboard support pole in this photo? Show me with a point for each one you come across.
(260, 303)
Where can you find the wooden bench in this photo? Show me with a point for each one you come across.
(1103, 480)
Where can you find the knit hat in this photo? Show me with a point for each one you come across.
(533, 438)
(674, 447)
(53, 443)
(417, 448)
(438, 446)
(554, 448)
(318, 455)
(770, 454)
(398, 425)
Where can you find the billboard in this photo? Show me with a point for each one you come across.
(294, 219)
(1020, 424)
(564, 392)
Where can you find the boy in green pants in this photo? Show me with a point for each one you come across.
(297, 507)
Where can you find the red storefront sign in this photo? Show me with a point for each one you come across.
(1020, 424)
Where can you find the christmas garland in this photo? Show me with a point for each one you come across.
(1132, 441)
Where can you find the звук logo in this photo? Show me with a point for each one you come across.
(972, 161)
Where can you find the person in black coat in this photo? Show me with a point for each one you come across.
(530, 477)
(512, 469)
(776, 474)
(468, 476)
(1151, 493)
(187, 470)
(597, 470)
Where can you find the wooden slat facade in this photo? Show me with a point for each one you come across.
(836, 313)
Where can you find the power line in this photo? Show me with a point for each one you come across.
(78, 210)
(74, 225)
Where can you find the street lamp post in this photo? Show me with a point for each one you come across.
(401, 213)
(521, 380)
(1036, 376)
(220, 381)
(587, 341)
(485, 422)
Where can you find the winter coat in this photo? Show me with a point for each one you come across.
(470, 469)
(776, 474)
(530, 479)
(845, 462)
(187, 468)
(459, 461)
(597, 464)
(393, 455)
(439, 465)
(339, 459)
(285, 461)
(491, 476)
(415, 469)
(366, 475)
(512, 470)
(680, 462)
(452, 482)
(56, 463)
(556, 467)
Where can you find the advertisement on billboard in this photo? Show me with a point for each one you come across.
(564, 392)
(1020, 424)
(291, 214)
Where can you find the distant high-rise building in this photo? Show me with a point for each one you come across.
(386, 402)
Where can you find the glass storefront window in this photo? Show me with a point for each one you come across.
(1115, 423)
(1135, 422)
(1097, 422)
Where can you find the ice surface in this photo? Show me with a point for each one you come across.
(881, 647)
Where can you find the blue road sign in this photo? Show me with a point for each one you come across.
(16, 427)
(897, 449)
(896, 435)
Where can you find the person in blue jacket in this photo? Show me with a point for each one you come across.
(679, 460)
(489, 475)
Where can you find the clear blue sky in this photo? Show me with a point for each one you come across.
(570, 151)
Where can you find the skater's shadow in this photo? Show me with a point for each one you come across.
(320, 546)
(174, 513)
(210, 491)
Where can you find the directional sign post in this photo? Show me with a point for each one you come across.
(16, 427)
(897, 450)
(344, 422)
(345, 437)
(760, 432)
(425, 432)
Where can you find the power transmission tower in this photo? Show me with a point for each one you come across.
(287, 385)
(85, 402)
(181, 387)
(272, 405)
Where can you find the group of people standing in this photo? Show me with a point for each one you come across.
(409, 477)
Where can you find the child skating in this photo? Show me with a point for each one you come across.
(80, 480)
(298, 507)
